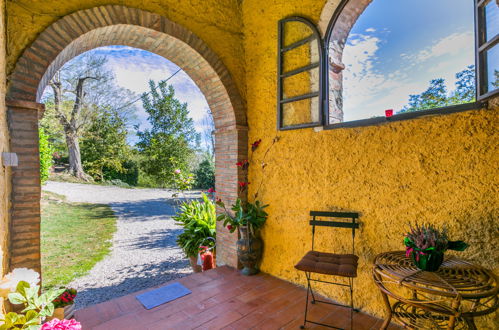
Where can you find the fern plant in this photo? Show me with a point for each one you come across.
(198, 218)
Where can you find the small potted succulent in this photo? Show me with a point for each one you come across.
(426, 244)
(64, 304)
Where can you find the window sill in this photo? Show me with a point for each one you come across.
(408, 115)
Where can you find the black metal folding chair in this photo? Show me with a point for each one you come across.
(343, 265)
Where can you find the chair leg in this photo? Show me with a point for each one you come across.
(350, 280)
(306, 302)
(311, 291)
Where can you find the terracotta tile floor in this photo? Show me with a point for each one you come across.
(222, 298)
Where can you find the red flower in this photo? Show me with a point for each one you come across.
(229, 227)
(255, 144)
(211, 190)
(244, 164)
(243, 184)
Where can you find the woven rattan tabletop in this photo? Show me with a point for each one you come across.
(458, 289)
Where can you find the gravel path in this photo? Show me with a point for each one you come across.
(144, 252)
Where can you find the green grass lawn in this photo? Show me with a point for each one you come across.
(74, 237)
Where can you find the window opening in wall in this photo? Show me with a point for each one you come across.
(402, 55)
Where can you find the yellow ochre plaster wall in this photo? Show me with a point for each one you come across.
(4, 147)
(441, 170)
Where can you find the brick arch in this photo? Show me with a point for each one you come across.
(335, 23)
(114, 25)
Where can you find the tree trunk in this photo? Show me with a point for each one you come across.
(75, 167)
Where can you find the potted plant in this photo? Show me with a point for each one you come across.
(21, 288)
(64, 304)
(426, 245)
(247, 217)
(198, 218)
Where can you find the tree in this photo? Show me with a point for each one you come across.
(167, 145)
(436, 95)
(79, 92)
(465, 86)
(205, 173)
(104, 146)
(46, 151)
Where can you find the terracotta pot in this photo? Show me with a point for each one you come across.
(58, 314)
(249, 252)
(63, 313)
(194, 264)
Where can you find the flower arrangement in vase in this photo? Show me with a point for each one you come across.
(426, 245)
(247, 217)
(64, 304)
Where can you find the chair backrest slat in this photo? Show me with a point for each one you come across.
(336, 224)
(334, 214)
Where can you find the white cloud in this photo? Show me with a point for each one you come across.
(450, 45)
(372, 84)
(370, 29)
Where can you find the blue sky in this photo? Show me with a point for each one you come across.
(397, 46)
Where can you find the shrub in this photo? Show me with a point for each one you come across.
(46, 152)
(199, 221)
(205, 174)
(129, 175)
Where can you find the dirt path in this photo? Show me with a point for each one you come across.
(144, 251)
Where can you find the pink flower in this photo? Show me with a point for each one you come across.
(177, 171)
(57, 324)
(229, 227)
(211, 190)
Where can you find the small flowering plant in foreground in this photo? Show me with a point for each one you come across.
(66, 298)
(57, 324)
(21, 288)
(426, 245)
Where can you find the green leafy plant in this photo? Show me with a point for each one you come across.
(198, 218)
(245, 214)
(37, 307)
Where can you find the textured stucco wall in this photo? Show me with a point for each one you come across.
(216, 22)
(441, 170)
(4, 146)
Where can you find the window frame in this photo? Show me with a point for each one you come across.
(282, 75)
(481, 47)
(479, 103)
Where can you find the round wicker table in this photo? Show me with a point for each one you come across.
(446, 299)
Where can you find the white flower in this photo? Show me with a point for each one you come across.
(10, 281)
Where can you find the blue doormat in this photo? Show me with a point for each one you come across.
(162, 295)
